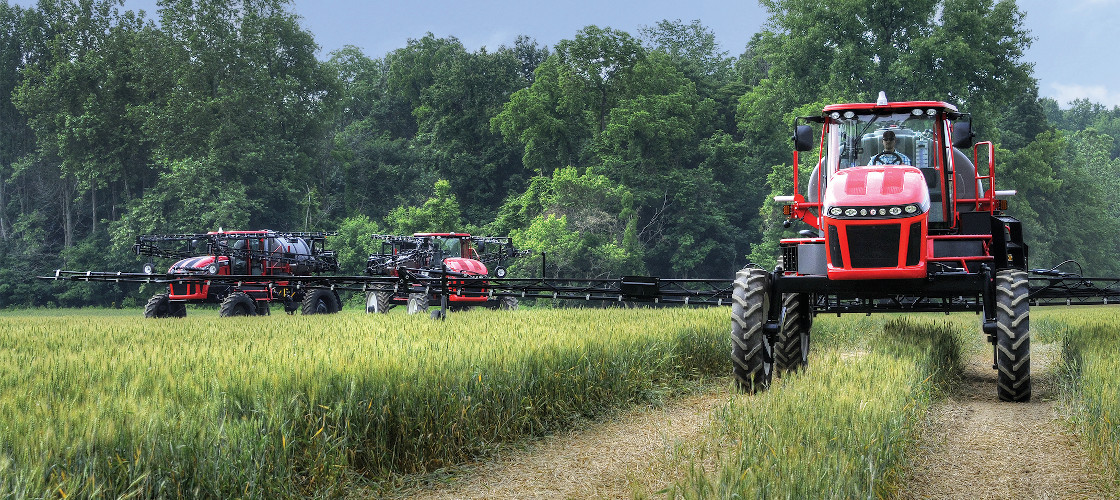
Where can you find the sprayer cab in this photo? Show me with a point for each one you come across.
(893, 194)
(902, 216)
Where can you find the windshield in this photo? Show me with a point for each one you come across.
(902, 138)
(898, 139)
(449, 247)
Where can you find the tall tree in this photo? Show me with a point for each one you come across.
(571, 97)
(80, 102)
(246, 94)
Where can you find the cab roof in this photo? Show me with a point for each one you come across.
(447, 235)
(890, 106)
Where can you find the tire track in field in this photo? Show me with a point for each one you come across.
(605, 460)
(975, 446)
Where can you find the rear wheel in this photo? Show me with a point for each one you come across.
(1013, 341)
(159, 306)
(320, 301)
(751, 352)
(378, 302)
(791, 351)
(417, 303)
(238, 304)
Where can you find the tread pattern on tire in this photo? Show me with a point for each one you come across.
(750, 368)
(417, 303)
(1013, 341)
(238, 304)
(788, 353)
(314, 298)
(378, 302)
(507, 303)
(159, 306)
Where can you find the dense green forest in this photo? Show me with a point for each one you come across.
(617, 153)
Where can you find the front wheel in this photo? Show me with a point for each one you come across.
(506, 303)
(320, 301)
(417, 303)
(791, 351)
(159, 306)
(1013, 340)
(378, 302)
(751, 353)
(238, 304)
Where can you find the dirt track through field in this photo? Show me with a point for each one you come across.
(601, 461)
(977, 447)
(972, 447)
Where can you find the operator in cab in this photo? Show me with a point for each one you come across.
(888, 156)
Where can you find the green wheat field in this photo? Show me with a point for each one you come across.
(107, 404)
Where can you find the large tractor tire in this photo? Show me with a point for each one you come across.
(507, 304)
(417, 303)
(238, 304)
(751, 352)
(161, 306)
(791, 349)
(320, 301)
(1013, 340)
(378, 302)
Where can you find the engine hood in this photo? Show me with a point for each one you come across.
(465, 266)
(877, 186)
(193, 265)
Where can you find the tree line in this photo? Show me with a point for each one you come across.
(617, 153)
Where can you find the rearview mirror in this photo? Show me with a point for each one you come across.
(803, 138)
(962, 135)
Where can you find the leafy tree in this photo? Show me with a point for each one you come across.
(17, 49)
(422, 114)
(454, 114)
(354, 243)
(440, 213)
(695, 52)
(569, 102)
(80, 101)
(530, 55)
(585, 223)
(373, 166)
(192, 194)
(245, 94)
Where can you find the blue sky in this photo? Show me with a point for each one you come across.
(1072, 51)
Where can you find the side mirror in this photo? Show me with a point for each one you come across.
(962, 135)
(803, 138)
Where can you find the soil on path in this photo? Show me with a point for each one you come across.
(612, 459)
(972, 447)
(975, 446)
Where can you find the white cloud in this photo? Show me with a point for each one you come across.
(1064, 93)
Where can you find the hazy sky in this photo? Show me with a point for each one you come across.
(1072, 50)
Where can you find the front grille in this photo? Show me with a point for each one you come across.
(180, 289)
(834, 247)
(914, 246)
(873, 246)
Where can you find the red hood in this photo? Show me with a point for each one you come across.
(465, 266)
(194, 264)
(879, 185)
